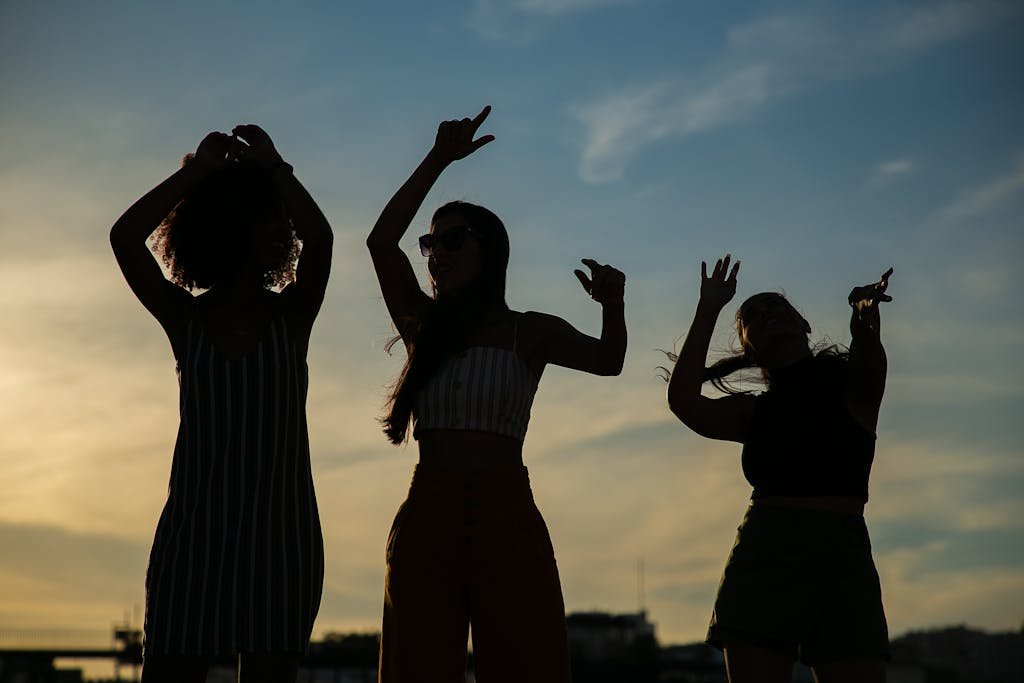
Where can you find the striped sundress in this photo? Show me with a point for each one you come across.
(237, 562)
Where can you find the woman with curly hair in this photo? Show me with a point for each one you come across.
(236, 566)
(800, 581)
(469, 545)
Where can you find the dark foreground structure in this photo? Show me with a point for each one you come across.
(606, 648)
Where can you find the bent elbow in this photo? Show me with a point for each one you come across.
(612, 367)
(689, 409)
(681, 408)
(118, 241)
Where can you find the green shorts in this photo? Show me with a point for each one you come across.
(802, 582)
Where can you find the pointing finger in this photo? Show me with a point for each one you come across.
(479, 118)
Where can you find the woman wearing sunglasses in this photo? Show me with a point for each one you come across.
(800, 581)
(469, 545)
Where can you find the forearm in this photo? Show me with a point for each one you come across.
(144, 216)
(688, 375)
(394, 220)
(613, 335)
(868, 362)
(311, 226)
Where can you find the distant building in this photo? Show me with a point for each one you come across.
(612, 647)
(959, 654)
(600, 635)
(15, 668)
(693, 663)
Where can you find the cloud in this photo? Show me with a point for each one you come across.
(921, 29)
(893, 168)
(986, 198)
(51, 575)
(559, 7)
(764, 61)
(980, 283)
(492, 19)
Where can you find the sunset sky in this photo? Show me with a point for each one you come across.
(819, 142)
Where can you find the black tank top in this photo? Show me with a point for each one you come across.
(803, 440)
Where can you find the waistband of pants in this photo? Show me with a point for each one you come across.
(488, 484)
(802, 518)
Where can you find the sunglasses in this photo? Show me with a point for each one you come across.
(451, 239)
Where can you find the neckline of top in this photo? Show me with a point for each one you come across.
(248, 348)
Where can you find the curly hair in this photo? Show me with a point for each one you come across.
(205, 239)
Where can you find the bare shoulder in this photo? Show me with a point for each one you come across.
(535, 323)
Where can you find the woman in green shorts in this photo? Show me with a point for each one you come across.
(800, 582)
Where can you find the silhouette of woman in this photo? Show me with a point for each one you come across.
(800, 581)
(469, 545)
(237, 562)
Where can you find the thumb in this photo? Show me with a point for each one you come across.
(480, 142)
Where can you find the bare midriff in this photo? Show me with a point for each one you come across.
(845, 504)
(467, 451)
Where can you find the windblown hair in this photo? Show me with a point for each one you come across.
(720, 373)
(206, 238)
(729, 373)
(451, 317)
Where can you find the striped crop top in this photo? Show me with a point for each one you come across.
(481, 388)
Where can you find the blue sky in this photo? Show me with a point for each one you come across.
(818, 142)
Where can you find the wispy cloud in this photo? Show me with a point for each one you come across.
(887, 170)
(558, 7)
(764, 61)
(920, 29)
(490, 18)
(987, 197)
(52, 575)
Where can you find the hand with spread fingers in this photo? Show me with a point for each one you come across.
(256, 145)
(455, 141)
(217, 150)
(718, 289)
(605, 284)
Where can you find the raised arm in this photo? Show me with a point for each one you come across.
(722, 418)
(165, 300)
(564, 345)
(402, 294)
(868, 364)
(314, 268)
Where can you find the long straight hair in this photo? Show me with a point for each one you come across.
(450, 318)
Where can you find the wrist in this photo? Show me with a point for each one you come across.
(708, 309)
(281, 167)
(195, 168)
(617, 303)
(436, 160)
